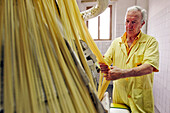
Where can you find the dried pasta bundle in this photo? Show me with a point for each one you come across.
(42, 62)
(79, 26)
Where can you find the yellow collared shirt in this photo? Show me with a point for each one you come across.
(136, 92)
(124, 39)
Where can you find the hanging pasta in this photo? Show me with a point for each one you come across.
(42, 70)
(79, 23)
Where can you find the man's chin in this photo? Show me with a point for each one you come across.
(130, 32)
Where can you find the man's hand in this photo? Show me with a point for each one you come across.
(104, 68)
(114, 73)
(111, 74)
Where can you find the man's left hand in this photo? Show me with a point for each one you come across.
(115, 73)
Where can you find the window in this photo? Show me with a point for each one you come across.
(100, 27)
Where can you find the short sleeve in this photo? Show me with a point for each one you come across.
(108, 57)
(151, 55)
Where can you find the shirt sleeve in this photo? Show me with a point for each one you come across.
(108, 57)
(151, 55)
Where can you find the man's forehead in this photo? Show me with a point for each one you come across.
(134, 14)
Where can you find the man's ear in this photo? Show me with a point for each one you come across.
(143, 23)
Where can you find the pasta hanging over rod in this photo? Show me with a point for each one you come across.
(43, 66)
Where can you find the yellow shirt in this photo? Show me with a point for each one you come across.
(136, 92)
(124, 39)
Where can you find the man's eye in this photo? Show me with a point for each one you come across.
(133, 22)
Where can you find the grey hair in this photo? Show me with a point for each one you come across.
(138, 8)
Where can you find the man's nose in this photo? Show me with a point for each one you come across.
(129, 24)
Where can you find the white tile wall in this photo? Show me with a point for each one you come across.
(120, 29)
(103, 46)
(159, 26)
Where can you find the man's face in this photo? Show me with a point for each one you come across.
(133, 23)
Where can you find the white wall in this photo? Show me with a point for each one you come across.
(159, 27)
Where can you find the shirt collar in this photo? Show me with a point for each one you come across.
(125, 35)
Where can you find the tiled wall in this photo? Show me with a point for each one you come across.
(120, 29)
(103, 46)
(159, 27)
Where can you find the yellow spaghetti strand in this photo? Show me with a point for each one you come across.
(8, 78)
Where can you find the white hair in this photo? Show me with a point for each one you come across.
(138, 8)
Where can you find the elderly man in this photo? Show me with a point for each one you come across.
(134, 57)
